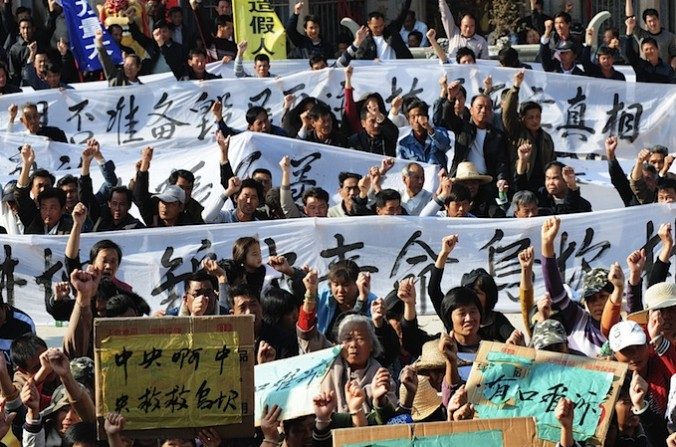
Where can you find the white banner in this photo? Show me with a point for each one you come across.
(155, 265)
(579, 112)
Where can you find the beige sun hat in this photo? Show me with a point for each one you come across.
(426, 400)
(467, 171)
(431, 358)
(658, 296)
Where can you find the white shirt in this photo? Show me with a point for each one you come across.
(383, 50)
(476, 153)
(418, 26)
(414, 205)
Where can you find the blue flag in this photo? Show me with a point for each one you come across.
(82, 23)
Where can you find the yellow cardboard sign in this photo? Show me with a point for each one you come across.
(256, 22)
(174, 375)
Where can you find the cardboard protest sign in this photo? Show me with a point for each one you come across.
(517, 432)
(172, 376)
(513, 381)
(292, 383)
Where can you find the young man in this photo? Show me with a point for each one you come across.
(257, 119)
(348, 289)
(196, 67)
(666, 40)
(248, 195)
(384, 42)
(651, 67)
(261, 63)
(315, 200)
(565, 57)
(602, 65)
(372, 138)
(425, 143)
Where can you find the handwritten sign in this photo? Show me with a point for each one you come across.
(292, 383)
(517, 432)
(508, 381)
(175, 373)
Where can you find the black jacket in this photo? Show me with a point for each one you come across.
(553, 65)
(383, 144)
(495, 147)
(368, 51)
(305, 48)
(662, 73)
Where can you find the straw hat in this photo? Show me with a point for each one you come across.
(431, 357)
(467, 171)
(426, 400)
(658, 296)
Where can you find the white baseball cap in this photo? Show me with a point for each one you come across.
(624, 334)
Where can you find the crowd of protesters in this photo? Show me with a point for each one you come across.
(390, 369)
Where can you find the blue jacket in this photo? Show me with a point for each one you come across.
(433, 151)
(327, 305)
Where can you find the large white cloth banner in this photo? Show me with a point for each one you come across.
(312, 164)
(579, 112)
(157, 260)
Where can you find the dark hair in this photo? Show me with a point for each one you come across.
(27, 19)
(262, 57)
(24, 348)
(563, 15)
(317, 193)
(554, 163)
(22, 9)
(200, 276)
(240, 290)
(223, 20)
(262, 171)
(666, 183)
(464, 51)
(82, 432)
(118, 305)
(310, 18)
(134, 56)
(480, 95)
(459, 193)
(41, 173)
(104, 244)
(605, 50)
(254, 184)
(52, 66)
(385, 195)
(276, 303)
(649, 40)
(467, 14)
(107, 289)
(410, 13)
(418, 104)
(417, 34)
(346, 175)
(316, 58)
(375, 15)
(181, 173)
(650, 12)
(66, 180)
(528, 105)
(483, 280)
(659, 149)
(196, 52)
(319, 110)
(114, 26)
(509, 57)
(52, 193)
(614, 30)
(174, 9)
(344, 271)
(253, 113)
(458, 297)
(241, 246)
(650, 168)
(122, 190)
(3, 66)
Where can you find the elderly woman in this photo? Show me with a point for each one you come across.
(357, 362)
